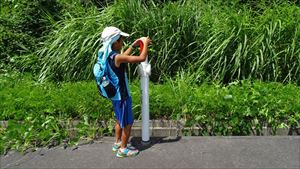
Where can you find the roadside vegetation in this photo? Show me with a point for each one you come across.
(228, 67)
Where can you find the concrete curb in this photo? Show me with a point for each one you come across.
(171, 128)
(160, 128)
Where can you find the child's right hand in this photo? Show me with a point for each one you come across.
(146, 40)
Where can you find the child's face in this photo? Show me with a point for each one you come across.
(118, 44)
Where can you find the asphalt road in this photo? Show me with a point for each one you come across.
(165, 152)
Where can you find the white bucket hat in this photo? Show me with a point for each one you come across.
(112, 32)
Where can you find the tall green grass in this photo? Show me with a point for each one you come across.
(221, 41)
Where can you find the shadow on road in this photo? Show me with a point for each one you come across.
(137, 141)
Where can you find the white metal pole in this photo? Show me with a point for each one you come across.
(145, 70)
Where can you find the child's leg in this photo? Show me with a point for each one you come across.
(124, 151)
(129, 132)
(125, 135)
(130, 118)
(118, 131)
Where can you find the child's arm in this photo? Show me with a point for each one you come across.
(128, 51)
(125, 58)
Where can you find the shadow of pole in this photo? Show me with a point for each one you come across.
(136, 141)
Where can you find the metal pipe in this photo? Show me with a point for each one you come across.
(145, 71)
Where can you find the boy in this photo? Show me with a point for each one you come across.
(112, 38)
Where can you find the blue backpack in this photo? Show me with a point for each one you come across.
(105, 78)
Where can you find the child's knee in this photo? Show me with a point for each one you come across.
(128, 126)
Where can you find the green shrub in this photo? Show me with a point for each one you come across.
(237, 108)
(40, 114)
(22, 25)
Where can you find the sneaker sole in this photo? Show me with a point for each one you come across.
(124, 156)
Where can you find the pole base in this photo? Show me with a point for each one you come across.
(146, 143)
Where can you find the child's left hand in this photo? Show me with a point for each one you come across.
(136, 43)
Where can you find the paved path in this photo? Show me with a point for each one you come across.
(183, 152)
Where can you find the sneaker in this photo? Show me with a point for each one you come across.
(116, 146)
(130, 147)
(126, 152)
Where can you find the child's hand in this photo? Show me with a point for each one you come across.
(146, 40)
(136, 43)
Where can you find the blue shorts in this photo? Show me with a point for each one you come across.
(123, 111)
